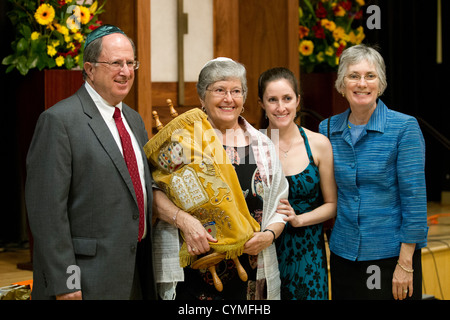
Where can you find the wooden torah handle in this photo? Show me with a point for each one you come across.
(217, 282)
(172, 110)
(159, 125)
(209, 262)
(240, 269)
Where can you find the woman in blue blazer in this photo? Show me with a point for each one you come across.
(379, 158)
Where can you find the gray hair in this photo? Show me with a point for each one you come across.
(356, 54)
(221, 69)
(93, 51)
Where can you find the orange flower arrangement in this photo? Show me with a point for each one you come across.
(51, 34)
(326, 29)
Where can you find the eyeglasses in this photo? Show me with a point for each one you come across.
(356, 77)
(118, 65)
(220, 92)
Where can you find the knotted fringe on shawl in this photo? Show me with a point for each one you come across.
(187, 118)
(232, 251)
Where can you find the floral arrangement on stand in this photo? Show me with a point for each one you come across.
(51, 34)
(326, 29)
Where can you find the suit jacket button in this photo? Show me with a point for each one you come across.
(133, 249)
(135, 217)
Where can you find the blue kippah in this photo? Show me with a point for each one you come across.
(100, 32)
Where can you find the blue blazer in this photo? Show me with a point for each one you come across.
(381, 185)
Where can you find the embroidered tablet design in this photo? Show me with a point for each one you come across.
(188, 189)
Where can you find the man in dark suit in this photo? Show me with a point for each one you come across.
(89, 205)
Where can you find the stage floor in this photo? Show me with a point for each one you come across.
(9, 258)
(436, 256)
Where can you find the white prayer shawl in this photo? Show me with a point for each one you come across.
(166, 241)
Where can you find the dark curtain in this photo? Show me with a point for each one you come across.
(417, 84)
(11, 213)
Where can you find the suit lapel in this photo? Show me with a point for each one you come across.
(105, 137)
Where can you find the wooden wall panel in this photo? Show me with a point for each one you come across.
(60, 84)
(293, 59)
(144, 74)
(161, 91)
(265, 42)
(261, 34)
(226, 28)
(122, 14)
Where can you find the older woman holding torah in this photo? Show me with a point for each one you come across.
(220, 183)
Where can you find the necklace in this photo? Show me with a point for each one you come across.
(286, 152)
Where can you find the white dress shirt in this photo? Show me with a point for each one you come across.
(107, 112)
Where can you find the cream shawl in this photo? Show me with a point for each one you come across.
(166, 241)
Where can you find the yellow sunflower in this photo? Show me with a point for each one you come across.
(85, 15)
(45, 14)
(306, 47)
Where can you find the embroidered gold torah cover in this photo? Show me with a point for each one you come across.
(192, 168)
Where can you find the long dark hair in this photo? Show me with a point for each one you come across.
(274, 74)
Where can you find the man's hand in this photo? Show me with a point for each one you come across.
(70, 296)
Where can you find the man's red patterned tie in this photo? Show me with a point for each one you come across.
(130, 159)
